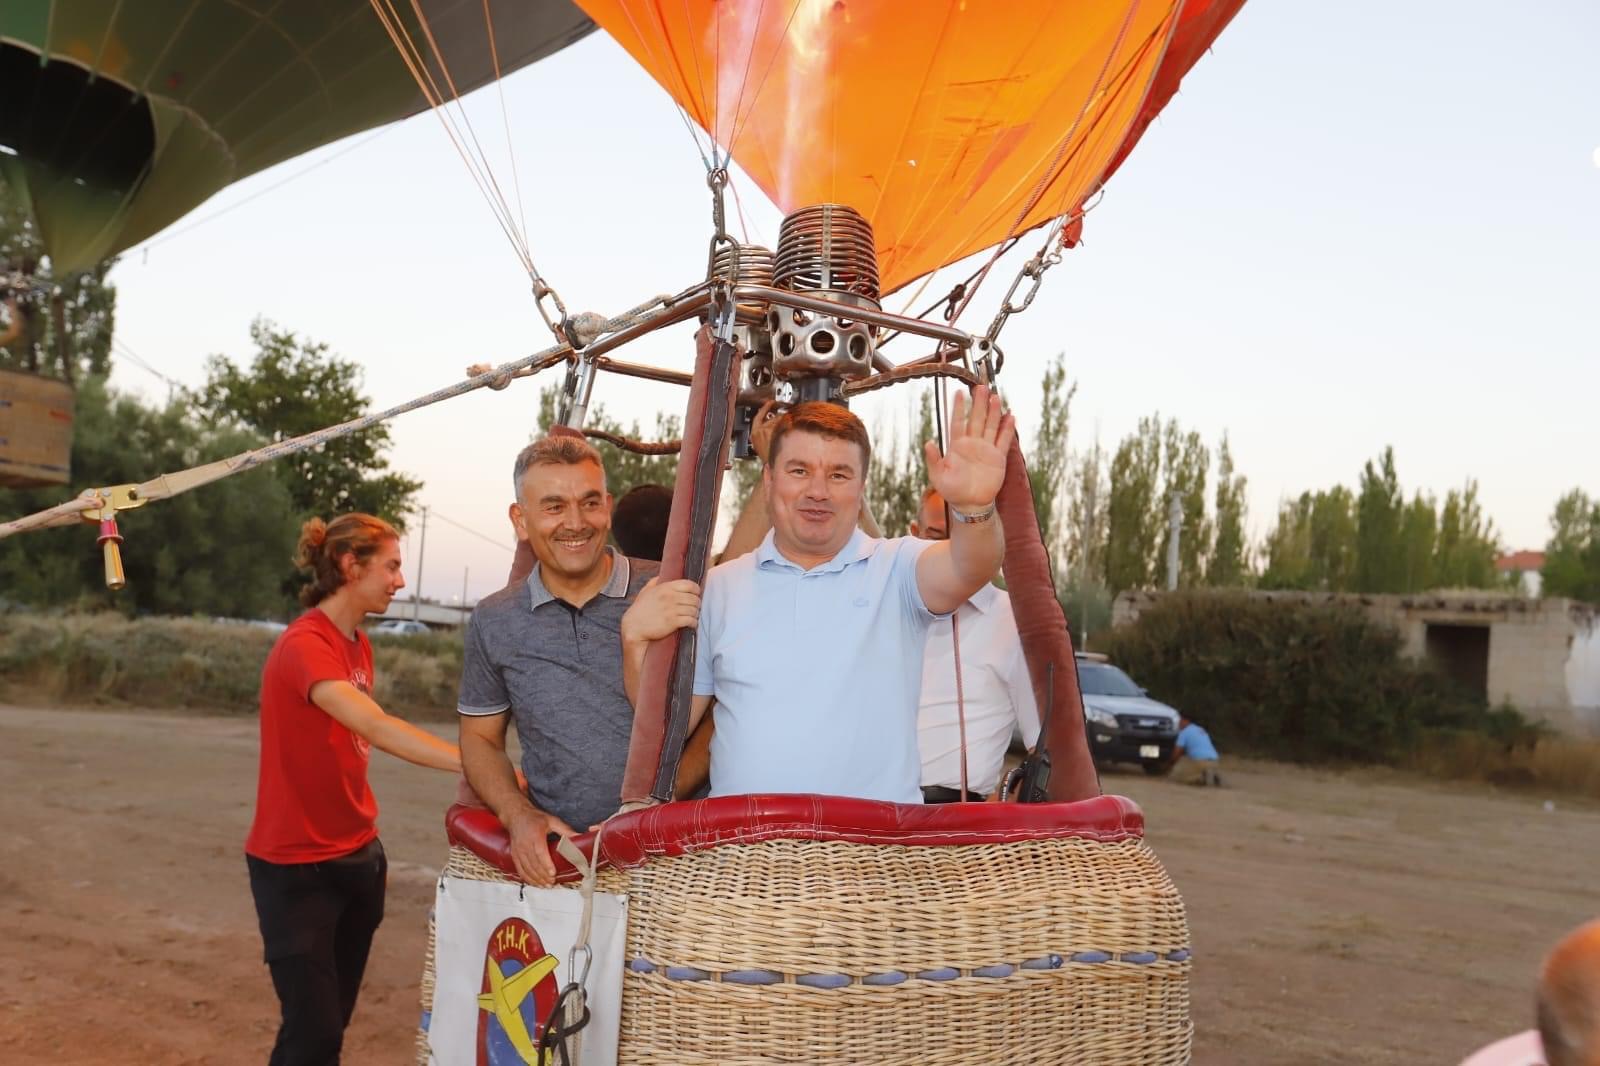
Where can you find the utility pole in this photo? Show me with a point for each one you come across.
(422, 549)
(464, 571)
(1174, 531)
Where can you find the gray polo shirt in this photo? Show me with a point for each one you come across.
(558, 669)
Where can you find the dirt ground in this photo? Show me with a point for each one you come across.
(1337, 918)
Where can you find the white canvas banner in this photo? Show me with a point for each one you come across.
(501, 957)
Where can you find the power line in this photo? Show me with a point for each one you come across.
(468, 529)
(139, 361)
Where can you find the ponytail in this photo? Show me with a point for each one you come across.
(324, 544)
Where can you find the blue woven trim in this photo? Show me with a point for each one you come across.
(758, 978)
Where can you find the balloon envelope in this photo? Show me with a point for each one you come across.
(950, 124)
(118, 118)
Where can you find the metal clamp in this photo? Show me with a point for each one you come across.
(112, 499)
(560, 323)
(1033, 270)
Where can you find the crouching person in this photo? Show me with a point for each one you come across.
(1195, 756)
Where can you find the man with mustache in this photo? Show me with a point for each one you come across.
(812, 645)
(544, 651)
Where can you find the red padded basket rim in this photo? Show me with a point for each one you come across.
(699, 825)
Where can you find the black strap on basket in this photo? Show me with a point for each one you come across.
(560, 1029)
(1031, 779)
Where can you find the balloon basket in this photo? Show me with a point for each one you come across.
(35, 430)
(810, 929)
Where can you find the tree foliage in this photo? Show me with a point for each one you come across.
(1338, 541)
(293, 386)
(1229, 561)
(1572, 555)
(624, 469)
(219, 550)
(1380, 510)
(1087, 506)
(1187, 460)
(1080, 574)
(1152, 465)
(899, 474)
(1134, 514)
(1049, 461)
(88, 302)
(1467, 544)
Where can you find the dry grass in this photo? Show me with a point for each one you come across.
(106, 659)
(1549, 763)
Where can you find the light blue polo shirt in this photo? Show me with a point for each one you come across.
(816, 672)
(1196, 744)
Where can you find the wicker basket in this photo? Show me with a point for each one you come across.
(1064, 950)
(35, 430)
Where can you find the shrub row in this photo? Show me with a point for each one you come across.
(194, 663)
(1297, 681)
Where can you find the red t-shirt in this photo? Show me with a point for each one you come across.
(312, 798)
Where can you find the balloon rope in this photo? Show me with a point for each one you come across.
(412, 57)
(444, 68)
(646, 40)
(1049, 174)
(589, 328)
(505, 118)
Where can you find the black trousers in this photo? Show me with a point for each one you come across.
(317, 921)
(942, 794)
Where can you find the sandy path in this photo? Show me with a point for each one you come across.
(1337, 918)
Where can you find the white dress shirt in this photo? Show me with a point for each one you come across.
(998, 694)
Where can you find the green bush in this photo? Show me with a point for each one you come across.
(1299, 681)
(194, 663)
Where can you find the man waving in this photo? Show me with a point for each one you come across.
(812, 644)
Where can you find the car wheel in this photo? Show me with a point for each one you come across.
(1156, 768)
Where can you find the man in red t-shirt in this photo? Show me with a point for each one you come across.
(317, 869)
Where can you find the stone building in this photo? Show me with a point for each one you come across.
(1543, 655)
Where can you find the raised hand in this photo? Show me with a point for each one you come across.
(969, 473)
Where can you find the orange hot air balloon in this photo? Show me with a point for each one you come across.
(950, 124)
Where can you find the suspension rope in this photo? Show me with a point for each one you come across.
(505, 119)
(1049, 173)
(172, 484)
(416, 64)
(950, 299)
(62, 514)
(444, 68)
(588, 327)
(961, 696)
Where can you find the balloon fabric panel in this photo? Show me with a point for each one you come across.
(191, 95)
(951, 125)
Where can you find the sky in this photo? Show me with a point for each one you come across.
(1358, 225)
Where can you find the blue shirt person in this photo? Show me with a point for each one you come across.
(847, 730)
(812, 645)
(1194, 744)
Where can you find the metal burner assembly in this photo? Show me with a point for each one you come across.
(747, 264)
(825, 251)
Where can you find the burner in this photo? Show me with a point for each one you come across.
(828, 251)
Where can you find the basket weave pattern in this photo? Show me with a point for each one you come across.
(1075, 910)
